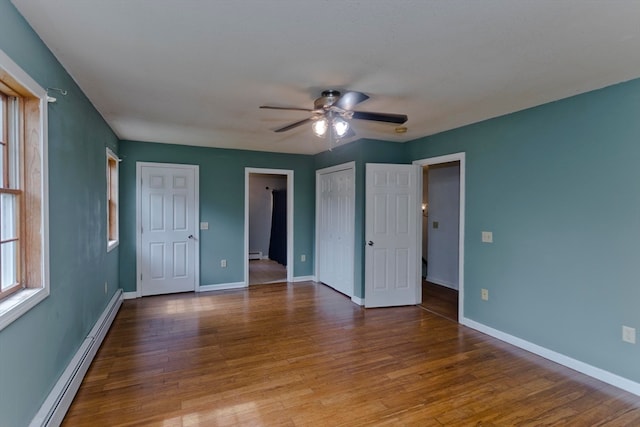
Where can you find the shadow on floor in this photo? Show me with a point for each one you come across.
(440, 300)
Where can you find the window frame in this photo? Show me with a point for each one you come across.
(113, 206)
(33, 187)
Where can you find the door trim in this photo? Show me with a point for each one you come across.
(196, 218)
(289, 174)
(341, 167)
(446, 159)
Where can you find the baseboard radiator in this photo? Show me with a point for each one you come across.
(255, 255)
(54, 408)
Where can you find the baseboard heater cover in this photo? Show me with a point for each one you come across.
(255, 255)
(55, 407)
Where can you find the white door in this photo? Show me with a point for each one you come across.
(336, 217)
(168, 234)
(391, 232)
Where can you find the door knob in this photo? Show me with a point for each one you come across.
(190, 236)
(370, 243)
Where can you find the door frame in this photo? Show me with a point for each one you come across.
(350, 166)
(196, 218)
(446, 159)
(289, 174)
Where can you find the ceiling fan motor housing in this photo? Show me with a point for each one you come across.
(327, 99)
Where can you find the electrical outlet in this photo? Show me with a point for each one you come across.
(223, 263)
(303, 258)
(484, 294)
(487, 237)
(629, 334)
(106, 286)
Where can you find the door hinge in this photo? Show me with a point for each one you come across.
(140, 276)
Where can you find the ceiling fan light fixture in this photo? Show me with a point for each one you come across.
(340, 127)
(320, 127)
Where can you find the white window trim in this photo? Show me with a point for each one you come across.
(16, 305)
(112, 244)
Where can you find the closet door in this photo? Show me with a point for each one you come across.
(336, 218)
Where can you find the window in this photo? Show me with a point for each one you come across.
(112, 200)
(11, 195)
(23, 200)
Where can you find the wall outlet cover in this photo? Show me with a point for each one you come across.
(487, 237)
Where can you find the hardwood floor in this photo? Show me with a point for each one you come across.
(302, 354)
(440, 300)
(266, 271)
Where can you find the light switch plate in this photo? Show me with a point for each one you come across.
(629, 334)
(487, 237)
(204, 226)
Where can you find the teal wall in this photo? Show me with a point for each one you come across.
(222, 201)
(361, 152)
(559, 186)
(36, 348)
(222, 174)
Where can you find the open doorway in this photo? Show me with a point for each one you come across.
(442, 235)
(267, 226)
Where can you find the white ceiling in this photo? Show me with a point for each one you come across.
(195, 71)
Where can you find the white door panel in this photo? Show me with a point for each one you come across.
(167, 258)
(336, 217)
(391, 255)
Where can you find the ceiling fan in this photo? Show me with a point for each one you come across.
(332, 112)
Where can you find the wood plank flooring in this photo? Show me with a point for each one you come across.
(440, 300)
(266, 271)
(304, 355)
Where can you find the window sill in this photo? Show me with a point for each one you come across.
(14, 306)
(112, 244)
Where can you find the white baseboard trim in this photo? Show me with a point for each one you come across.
(576, 365)
(221, 286)
(442, 283)
(304, 279)
(130, 295)
(357, 300)
(54, 408)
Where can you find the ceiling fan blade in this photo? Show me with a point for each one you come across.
(270, 107)
(348, 100)
(293, 125)
(380, 117)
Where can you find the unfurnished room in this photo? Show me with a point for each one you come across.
(319, 213)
